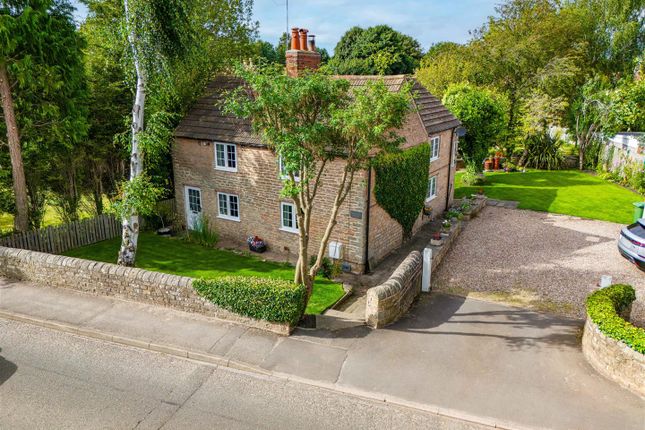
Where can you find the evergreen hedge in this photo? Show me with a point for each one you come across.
(604, 307)
(274, 300)
(402, 183)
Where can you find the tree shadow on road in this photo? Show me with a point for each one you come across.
(7, 369)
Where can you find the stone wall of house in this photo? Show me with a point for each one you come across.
(257, 183)
(614, 359)
(386, 234)
(117, 281)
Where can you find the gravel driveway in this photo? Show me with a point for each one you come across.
(545, 261)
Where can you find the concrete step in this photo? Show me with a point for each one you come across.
(337, 320)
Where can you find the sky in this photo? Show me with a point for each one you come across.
(428, 21)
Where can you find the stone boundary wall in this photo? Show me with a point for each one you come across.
(120, 282)
(392, 299)
(614, 359)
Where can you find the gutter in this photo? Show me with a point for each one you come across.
(452, 155)
(367, 220)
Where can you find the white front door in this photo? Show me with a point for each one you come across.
(193, 206)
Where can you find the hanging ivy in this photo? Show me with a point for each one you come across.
(402, 183)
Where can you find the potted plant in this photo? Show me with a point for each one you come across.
(256, 244)
(488, 164)
(437, 239)
(445, 226)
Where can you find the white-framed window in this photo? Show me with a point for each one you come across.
(226, 157)
(432, 188)
(435, 143)
(288, 218)
(283, 170)
(228, 206)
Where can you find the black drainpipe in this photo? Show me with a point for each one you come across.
(367, 219)
(452, 155)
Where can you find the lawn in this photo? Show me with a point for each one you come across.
(176, 256)
(567, 192)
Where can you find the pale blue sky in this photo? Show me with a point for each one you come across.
(429, 21)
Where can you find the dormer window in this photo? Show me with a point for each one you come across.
(226, 157)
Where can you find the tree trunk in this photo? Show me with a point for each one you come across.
(130, 223)
(581, 152)
(21, 220)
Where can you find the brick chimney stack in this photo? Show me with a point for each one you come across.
(302, 57)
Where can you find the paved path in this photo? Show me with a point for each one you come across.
(454, 356)
(52, 380)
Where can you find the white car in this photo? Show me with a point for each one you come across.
(631, 243)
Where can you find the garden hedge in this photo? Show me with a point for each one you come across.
(604, 307)
(274, 300)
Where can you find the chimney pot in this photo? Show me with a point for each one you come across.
(295, 40)
(303, 39)
(312, 43)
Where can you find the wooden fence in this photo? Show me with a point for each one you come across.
(56, 240)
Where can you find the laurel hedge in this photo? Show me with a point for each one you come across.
(274, 300)
(402, 183)
(604, 307)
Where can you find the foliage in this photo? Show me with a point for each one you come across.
(444, 64)
(42, 52)
(471, 176)
(309, 122)
(604, 307)
(558, 191)
(402, 184)
(482, 114)
(329, 268)
(137, 195)
(627, 103)
(202, 232)
(543, 151)
(378, 50)
(260, 298)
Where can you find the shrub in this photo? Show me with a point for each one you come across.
(203, 233)
(402, 183)
(604, 307)
(329, 269)
(543, 152)
(471, 177)
(274, 300)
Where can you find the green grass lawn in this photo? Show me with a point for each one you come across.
(567, 192)
(176, 256)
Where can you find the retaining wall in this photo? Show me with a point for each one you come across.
(614, 359)
(120, 282)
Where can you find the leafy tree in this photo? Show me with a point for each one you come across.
(310, 122)
(44, 102)
(445, 63)
(378, 50)
(482, 113)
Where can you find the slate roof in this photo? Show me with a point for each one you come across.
(206, 121)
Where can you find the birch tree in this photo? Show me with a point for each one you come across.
(310, 122)
(158, 32)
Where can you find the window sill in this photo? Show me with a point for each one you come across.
(429, 199)
(228, 218)
(290, 230)
(434, 159)
(226, 169)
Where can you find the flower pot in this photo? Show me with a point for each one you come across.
(488, 164)
(436, 242)
(496, 163)
(259, 248)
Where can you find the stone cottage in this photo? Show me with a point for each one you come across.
(224, 172)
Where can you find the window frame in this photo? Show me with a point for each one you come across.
(435, 140)
(432, 180)
(294, 218)
(228, 148)
(227, 215)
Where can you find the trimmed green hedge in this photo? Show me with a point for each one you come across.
(274, 300)
(402, 183)
(604, 306)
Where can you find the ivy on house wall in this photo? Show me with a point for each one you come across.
(402, 183)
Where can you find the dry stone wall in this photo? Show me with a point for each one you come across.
(117, 281)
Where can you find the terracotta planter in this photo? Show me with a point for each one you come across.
(496, 163)
(488, 164)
